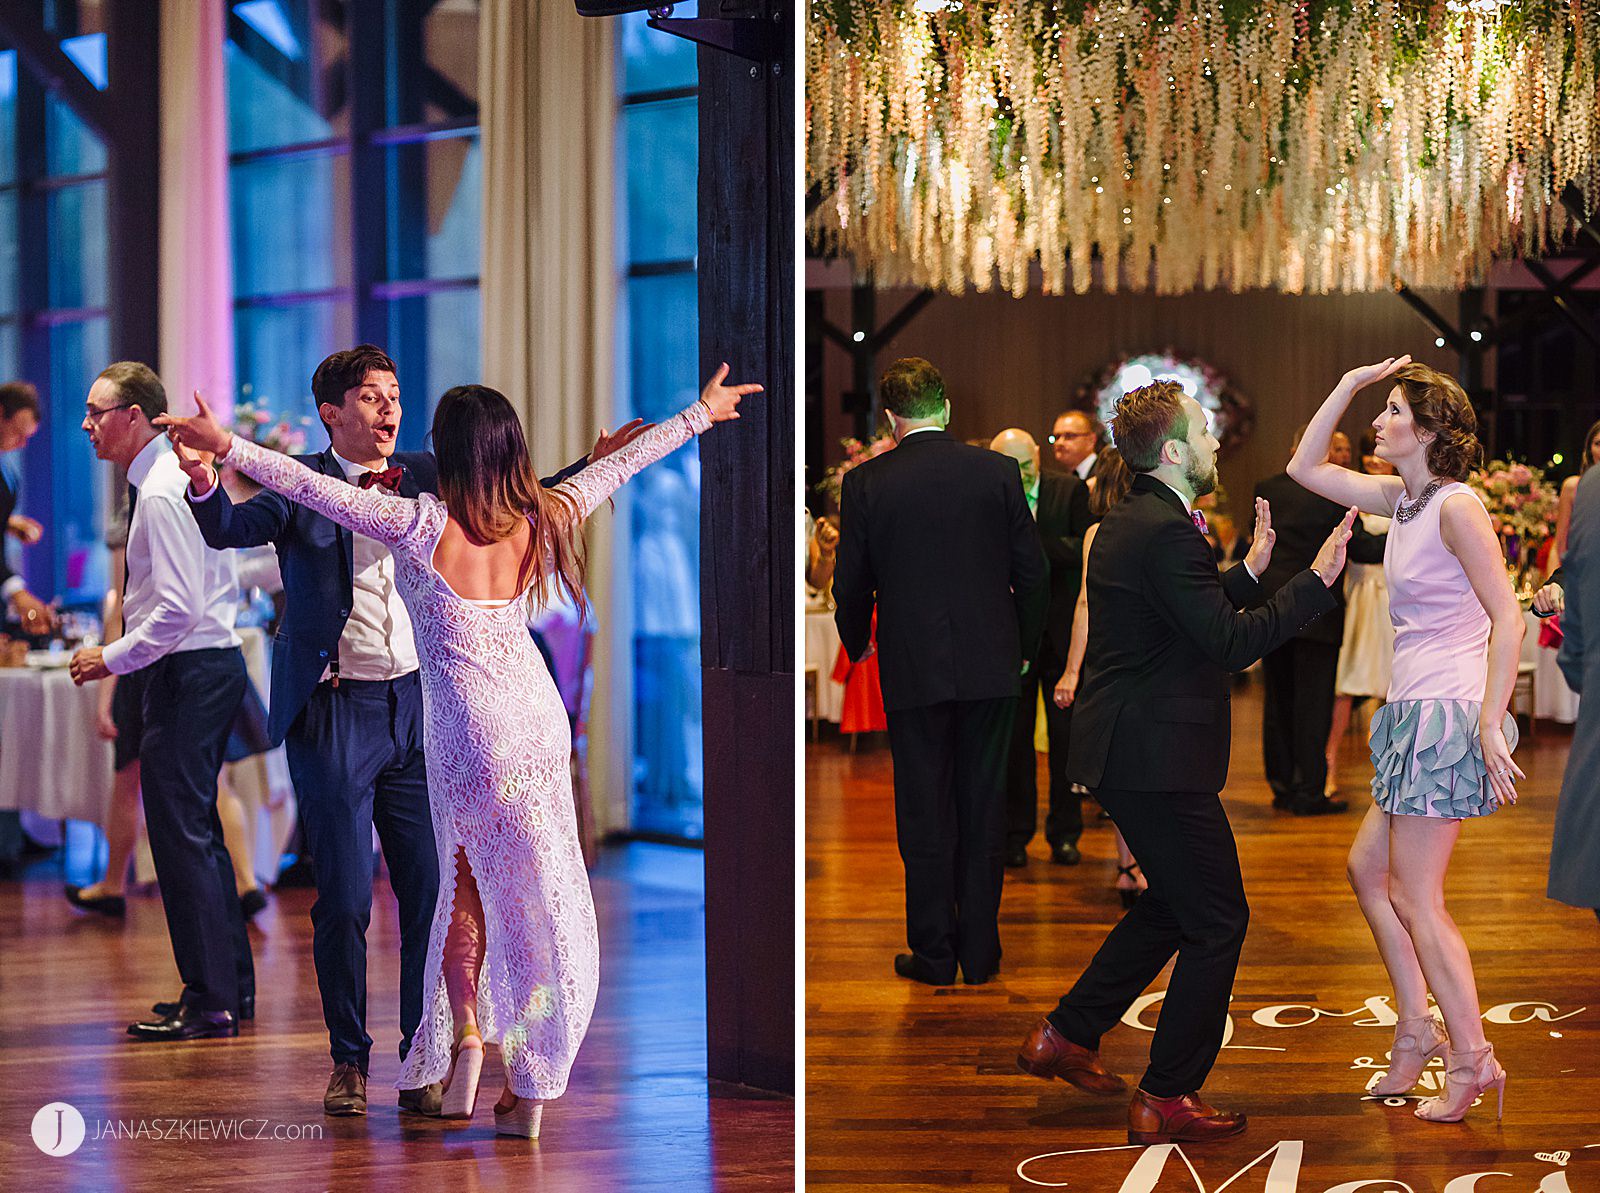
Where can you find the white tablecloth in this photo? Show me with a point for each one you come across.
(1552, 699)
(822, 651)
(53, 763)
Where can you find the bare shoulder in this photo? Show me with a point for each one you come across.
(1569, 486)
(1463, 519)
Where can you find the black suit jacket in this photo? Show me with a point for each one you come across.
(1063, 519)
(1153, 711)
(938, 537)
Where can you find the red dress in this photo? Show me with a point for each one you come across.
(863, 695)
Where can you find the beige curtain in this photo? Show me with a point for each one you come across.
(196, 283)
(550, 287)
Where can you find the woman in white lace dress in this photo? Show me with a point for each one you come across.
(513, 953)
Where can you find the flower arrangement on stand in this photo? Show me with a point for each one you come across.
(260, 425)
(856, 451)
(1522, 505)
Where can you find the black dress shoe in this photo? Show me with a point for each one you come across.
(909, 965)
(1065, 854)
(1318, 806)
(1282, 803)
(970, 979)
(247, 1008)
(112, 905)
(252, 901)
(1016, 856)
(187, 1024)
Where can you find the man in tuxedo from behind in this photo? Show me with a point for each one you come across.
(1297, 703)
(1150, 735)
(1059, 502)
(937, 536)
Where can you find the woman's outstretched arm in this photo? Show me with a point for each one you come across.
(1067, 686)
(1309, 465)
(717, 403)
(373, 512)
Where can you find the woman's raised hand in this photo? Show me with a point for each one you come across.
(1365, 375)
(722, 401)
(200, 431)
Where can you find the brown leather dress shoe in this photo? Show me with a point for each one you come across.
(1046, 1053)
(1184, 1119)
(347, 1092)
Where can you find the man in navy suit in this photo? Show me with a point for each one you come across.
(347, 702)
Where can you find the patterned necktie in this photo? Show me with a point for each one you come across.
(389, 478)
(1199, 520)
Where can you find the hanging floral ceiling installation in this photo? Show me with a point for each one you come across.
(1325, 145)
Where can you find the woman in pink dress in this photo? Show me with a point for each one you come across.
(1442, 744)
(513, 953)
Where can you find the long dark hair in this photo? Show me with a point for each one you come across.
(1588, 455)
(488, 484)
(1112, 480)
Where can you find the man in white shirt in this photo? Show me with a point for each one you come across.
(179, 648)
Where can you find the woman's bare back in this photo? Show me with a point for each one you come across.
(484, 572)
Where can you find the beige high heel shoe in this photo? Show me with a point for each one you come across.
(1467, 1075)
(461, 1083)
(1416, 1042)
(520, 1119)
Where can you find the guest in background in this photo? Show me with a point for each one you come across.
(1569, 490)
(1367, 651)
(1297, 704)
(1575, 849)
(1059, 503)
(117, 721)
(822, 553)
(936, 537)
(1075, 441)
(19, 421)
(179, 645)
(1107, 487)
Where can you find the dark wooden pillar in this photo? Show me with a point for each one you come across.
(133, 185)
(747, 577)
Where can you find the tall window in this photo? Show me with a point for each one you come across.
(53, 325)
(356, 180)
(658, 167)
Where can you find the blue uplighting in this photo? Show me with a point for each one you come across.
(267, 19)
(88, 54)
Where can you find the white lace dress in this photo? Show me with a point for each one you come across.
(498, 746)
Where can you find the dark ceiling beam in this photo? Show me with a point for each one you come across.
(42, 54)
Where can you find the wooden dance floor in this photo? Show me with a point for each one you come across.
(639, 1113)
(908, 1087)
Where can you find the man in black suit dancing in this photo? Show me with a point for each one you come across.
(1150, 734)
(937, 535)
(1060, 505)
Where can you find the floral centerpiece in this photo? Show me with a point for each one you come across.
(856, 451)
(260, 425)
(1522, 506)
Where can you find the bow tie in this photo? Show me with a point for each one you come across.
(1195, 516)
(389, 478)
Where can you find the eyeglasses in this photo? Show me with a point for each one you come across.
(94, 414)
(1071, 435)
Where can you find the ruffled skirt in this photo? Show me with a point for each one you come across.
(1427, 759)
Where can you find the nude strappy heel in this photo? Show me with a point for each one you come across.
(1467, 1076)
(1416, 1042)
